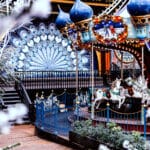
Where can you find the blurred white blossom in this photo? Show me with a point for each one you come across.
(3, 118)
(103, 147)
(147, 145)
(41, 8)
(22, 13)
(13, 113)
(126, 144)
(148, 113)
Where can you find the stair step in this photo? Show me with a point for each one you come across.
(11, 97)
(12, 101)
(10, 94)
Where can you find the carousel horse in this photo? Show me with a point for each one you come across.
(146, 97)
(140, 89)
(139, 86)
(100, 96)
(50, 102)
(83, 98)
(116, 93)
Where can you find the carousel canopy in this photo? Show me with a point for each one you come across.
(80, 11)
(139, 8)
(108, 29)
(62, 19)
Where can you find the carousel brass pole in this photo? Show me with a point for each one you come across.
(7, 7)
(142, 61)
(133, 68)
(77, 100)
(92, 107)
(122, 65)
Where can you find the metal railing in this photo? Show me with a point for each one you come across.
(129, 121)
(57, 79)
(52, 119)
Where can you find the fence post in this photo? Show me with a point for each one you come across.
(55, 119)
(142, 115)
(37, 113)
(145, 123)
(108, 108)
(77, 109)
(65, 97)
(42, 114)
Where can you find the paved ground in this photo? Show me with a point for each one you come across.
(25, 135)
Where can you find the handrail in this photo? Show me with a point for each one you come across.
(23, 93)
(26, 99)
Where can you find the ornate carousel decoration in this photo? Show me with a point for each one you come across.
(42, 47)
(84, 29)
(139, 11)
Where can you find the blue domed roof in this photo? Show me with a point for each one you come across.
(62, 19)
(139, 7)
(80, 11)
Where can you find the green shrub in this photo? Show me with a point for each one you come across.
(111, 134)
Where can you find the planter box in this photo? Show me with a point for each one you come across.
(87, 142)
(84, 142)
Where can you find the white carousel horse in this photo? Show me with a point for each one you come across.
(100, 96)
(117, 92)
(48, 103)
(49, 100)
(139, 86)
(82, 98)
(146, 97)
(140, 89)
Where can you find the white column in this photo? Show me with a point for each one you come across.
(7, 7)
(121, 65)
(142, 61)
(92, 107)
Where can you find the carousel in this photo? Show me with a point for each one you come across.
(125, 99)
